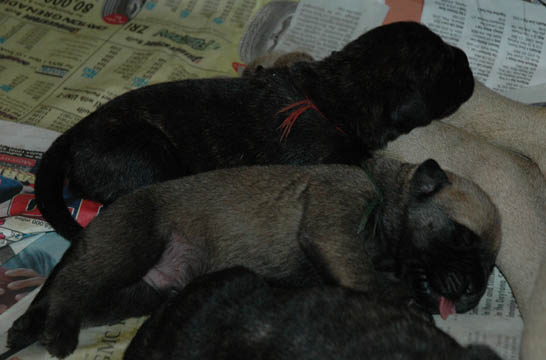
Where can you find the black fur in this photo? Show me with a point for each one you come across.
(388, 81)
(234, 314)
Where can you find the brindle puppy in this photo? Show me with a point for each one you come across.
(337, 110)
(431, 239)
(234, 314)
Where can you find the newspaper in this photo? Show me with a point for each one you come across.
(19, 216)
(29, 249)
(321, 26)
(61, 59)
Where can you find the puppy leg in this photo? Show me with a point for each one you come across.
(345, 258)
(27, 328)
(136, 300)
(93, 270)
(339, 258)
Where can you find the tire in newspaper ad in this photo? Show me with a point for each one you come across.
(264, 31)
(120, 11)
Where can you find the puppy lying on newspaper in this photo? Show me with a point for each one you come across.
(518, 188)
(272, 323)
(418, 234)
(337, 110)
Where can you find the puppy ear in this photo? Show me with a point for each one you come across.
(427, 179)
(410, 112)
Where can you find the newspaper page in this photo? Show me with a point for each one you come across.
(19, 216)
(29, 249)
(61, 59)
(320, 27)
(504, 40)
(33, 260)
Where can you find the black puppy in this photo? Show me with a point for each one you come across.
(385, 83)
(234, 314)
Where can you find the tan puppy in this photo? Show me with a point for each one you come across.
(518, 188)
(519, 128)
(514, 183)
(464, 145)
(533, 344)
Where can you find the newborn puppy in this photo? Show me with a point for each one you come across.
(337, 110)
(234, 314)
(419, 235)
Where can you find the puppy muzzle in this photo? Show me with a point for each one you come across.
(433, 288)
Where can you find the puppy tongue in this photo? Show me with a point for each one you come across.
(447, 307)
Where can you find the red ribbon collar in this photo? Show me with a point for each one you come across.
(302, 106)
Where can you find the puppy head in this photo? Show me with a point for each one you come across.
(411, 75)
(453, 237)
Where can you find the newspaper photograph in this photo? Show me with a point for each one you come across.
(29, 267)
(61, 60)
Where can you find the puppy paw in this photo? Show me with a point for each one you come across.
(26, 329)
(60, 335)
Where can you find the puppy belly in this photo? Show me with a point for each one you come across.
(180, 262)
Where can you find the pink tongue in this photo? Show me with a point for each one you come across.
(446, 307)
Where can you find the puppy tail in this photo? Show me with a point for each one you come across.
(49, 187)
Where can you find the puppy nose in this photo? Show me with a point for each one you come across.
(477, 284)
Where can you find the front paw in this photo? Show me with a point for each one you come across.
(60, 335)
(26, 329)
